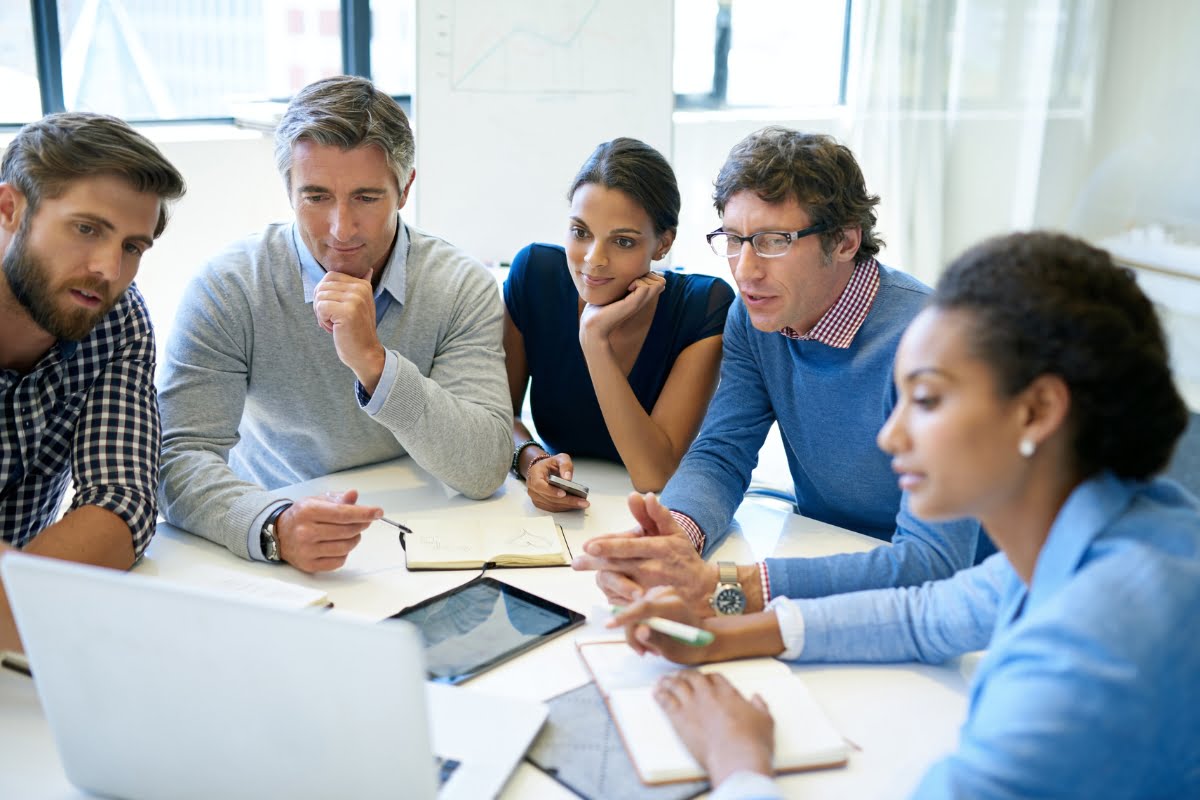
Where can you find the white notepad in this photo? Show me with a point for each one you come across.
(804, 736)
(251, 588)
(469, 544)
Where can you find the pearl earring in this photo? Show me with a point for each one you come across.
(1026, 447)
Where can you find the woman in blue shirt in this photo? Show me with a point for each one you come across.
(621, 361)
(1035, 395)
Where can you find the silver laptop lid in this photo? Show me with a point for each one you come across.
(156, 690)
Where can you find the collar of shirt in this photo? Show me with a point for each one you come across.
(391, 285)
(1088, 511)
(838, 326)
(65, 349)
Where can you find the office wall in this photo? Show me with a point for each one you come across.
(1143, 162)
(1147, 103)
(233, 190)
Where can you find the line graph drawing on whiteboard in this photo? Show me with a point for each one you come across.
(545, 47)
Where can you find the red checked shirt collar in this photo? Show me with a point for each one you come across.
(841, 322)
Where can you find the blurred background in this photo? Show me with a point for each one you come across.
(969, 117)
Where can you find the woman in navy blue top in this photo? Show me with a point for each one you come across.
(620, 361)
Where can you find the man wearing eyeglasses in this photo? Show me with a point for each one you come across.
(809, 343)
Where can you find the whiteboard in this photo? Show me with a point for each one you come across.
(512, 97)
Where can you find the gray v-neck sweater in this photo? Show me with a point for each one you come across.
(254, 398)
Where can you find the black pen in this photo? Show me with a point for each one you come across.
(403, 528)
(17, 663)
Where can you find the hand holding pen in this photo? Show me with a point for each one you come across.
(316, 534)
(404, 529)
(660, 622)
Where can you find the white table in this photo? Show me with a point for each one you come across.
(902, 717)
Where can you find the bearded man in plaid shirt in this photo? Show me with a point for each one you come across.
(82, 198)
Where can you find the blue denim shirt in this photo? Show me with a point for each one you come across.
(1091, 686)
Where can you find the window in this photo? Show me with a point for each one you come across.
(18, 65)
(147, 60)
(997, 53)
(177, 59)
(742, 53)
(394, 46)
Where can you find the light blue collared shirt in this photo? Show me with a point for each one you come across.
(1091, 686)
(391, 283)
(389, 292)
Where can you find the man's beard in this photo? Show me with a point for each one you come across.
(29, 281)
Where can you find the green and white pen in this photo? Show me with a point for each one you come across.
(697, 637)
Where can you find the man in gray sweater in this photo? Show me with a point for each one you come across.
(342, 339)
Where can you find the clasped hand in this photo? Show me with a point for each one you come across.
(656, 553)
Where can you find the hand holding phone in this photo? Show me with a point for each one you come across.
(570, 487)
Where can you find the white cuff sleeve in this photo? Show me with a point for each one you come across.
(791, 627)
(746, 785)
(391, 368)
(254, 535)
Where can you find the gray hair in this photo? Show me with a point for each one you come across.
(346, 112)
(47, 155)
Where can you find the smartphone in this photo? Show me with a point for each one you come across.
(570, 487)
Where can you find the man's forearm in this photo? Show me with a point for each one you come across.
(462, 435)
(88, 535)
(201, 494)
(9, 640)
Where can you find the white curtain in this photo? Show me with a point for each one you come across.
(957, 110)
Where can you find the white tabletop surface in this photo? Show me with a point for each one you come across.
(900, 717)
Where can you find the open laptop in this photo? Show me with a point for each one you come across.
(153, 690)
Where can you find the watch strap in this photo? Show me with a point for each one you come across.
(515, 466)
(269, 537)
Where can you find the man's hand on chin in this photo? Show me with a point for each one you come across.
(345, 307)
(656, 553)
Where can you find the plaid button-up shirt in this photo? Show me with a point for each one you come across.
(88, 409)
(837, 326)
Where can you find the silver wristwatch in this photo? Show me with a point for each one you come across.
(269, 538)
(728, 599)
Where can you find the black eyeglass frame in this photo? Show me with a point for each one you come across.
(792, 236)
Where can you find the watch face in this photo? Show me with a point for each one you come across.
(270, 546)
(730, 600)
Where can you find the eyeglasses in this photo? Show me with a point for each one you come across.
(768, 244)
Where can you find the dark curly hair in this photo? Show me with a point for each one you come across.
(1046, 303)
(638, 170)
(821, 175)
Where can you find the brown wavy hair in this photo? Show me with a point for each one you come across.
(47, 155)
(821, 175)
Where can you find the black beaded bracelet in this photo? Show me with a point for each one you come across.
(516, 459)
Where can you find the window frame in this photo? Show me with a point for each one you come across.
(717, 98)
(47, 40)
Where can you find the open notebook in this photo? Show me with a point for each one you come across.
(469, 544)
(804, 736)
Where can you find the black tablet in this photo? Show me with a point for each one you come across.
(482, 623)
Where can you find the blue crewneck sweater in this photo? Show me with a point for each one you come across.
(830, 404)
